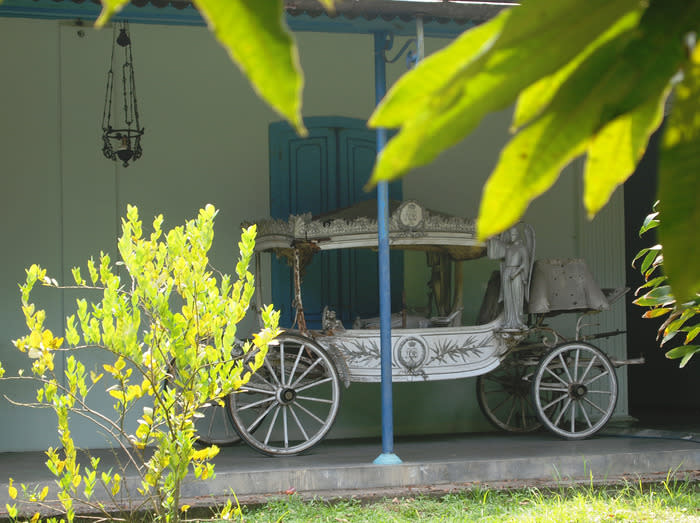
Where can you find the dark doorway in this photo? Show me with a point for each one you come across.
(660, 393)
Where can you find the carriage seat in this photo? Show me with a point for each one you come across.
(413, 321)
(453, 320)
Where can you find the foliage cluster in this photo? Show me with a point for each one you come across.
(682, 318)
(166, 323)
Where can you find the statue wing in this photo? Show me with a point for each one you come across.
(529, 238)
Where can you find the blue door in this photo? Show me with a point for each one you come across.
(317, 174)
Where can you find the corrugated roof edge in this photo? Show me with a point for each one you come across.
(446, 10)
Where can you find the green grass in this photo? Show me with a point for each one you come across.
(670, 500)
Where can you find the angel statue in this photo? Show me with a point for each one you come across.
(516, 251)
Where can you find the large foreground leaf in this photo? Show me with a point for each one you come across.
(483, 71)
(257, 38)
(615, 94)
(616, 149)
(679, 186)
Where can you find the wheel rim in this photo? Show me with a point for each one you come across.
(575, 390)
(289, 404)
(504, 395)
(214, 426)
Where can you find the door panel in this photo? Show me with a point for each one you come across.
(321, 173)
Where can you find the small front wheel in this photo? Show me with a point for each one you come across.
(291, 402)
(574, 390)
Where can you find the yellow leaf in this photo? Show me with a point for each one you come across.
(12, 491)
(35, 517)
(184, 508)
(44, 493)
(120, 363)
(34, 339)
(95, 377)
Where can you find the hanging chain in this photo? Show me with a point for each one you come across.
(107, 110)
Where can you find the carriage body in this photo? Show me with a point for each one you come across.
(568, 386)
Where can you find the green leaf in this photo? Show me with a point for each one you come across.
(655, 313)
(648, 261)
(535, 98)
(616, 79)
(679, 186)
(109, 8)
(616, 149)
(257, 39)
(658, 296)
(685, 351)
(692, 334)
(486, 76)
(644, 252)
(655, 282)
(650, 222)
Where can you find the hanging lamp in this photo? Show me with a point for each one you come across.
(121, 129)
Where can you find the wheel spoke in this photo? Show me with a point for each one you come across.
(511, 411)
(247, 388)
(563, 410)
(573, 417)
(256, 423)
(594, 406)
(576, 364)
(296, 419)
(307, 411)
(588, 367)
(284, 427)
(314, 384)
(500, 404)
(557, 377)
(596, 378)
(255, 404)
(282, 380)
(565, 367)
(272, 424)
(585, 415)
(554, 402)
(296, 382)
(503, 381)
(296, 364)
(268, 366)
(317, 400)
(552, 388)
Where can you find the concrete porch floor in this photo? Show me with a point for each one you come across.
(430, 464)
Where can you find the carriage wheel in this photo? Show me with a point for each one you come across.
(504, 394)
(214, 427)
(290, 403)
(213, 423)
(575, 390)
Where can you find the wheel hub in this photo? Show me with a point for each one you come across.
(577, 390)
(286, 396)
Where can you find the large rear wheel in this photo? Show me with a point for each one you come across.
(290, 403)
(504, 394)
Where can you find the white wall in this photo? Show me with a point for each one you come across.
(205, 142)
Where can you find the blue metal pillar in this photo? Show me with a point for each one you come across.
(387, 457)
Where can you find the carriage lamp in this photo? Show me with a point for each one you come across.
(121, 130)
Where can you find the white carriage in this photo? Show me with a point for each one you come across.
(528, 375)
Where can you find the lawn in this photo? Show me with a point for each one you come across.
(670, 500)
